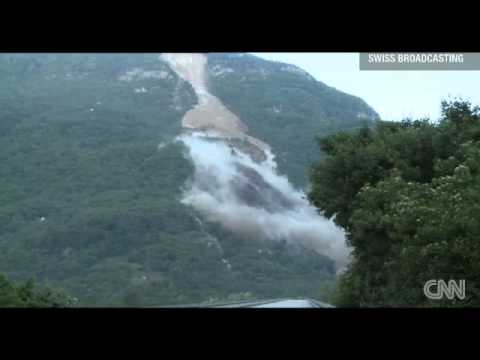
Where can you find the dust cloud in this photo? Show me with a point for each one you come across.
(244, 194)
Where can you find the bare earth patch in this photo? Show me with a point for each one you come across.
(209, 114)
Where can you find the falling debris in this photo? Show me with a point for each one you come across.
(245, 195)
(252, 199)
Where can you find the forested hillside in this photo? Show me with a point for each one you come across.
(90, 180)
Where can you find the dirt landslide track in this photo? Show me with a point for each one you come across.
(209, 114)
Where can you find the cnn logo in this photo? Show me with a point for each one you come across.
(438, 289)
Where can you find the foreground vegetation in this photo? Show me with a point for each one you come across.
(408, 195)
(28, 295)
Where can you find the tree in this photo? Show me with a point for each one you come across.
(26, 295)
(409, 198)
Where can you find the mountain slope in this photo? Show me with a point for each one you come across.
(91, 183)
(285, 107)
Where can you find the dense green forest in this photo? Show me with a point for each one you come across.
(408, 195)
(90, 183)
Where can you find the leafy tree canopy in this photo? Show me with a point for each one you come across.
(28, 295)
(408, 194)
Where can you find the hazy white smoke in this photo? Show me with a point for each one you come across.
(252, 199)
